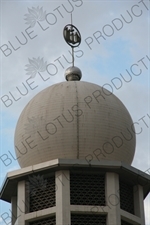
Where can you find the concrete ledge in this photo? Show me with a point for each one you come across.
(128, 217)
(89, 209)
(41, 214)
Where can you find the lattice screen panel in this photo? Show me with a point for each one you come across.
(126, 197)
(87, 189)
(88, 219)
(41, 194)
(47, 221)
(125, 223)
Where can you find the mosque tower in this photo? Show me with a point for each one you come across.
(75, 142)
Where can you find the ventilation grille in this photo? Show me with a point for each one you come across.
(125, 223)
(48, 221)
(126, 197)
(87, 189)
(79, 219)
(41, 193)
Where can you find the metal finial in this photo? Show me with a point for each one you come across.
(73, 73)
(73, 38)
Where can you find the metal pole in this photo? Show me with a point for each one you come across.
(72, 46)
(73, 56)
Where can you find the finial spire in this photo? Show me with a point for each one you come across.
(72, 47)
(73, 38)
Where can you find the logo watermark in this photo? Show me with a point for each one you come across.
(35, 66)
(35, 15)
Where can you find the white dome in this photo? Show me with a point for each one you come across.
(74, 120)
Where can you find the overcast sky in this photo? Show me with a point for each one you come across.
(114, 53)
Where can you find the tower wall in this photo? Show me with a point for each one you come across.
(82, 195)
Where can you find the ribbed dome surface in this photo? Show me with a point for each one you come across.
(74, 120)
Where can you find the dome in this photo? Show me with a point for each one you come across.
(74, 120)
